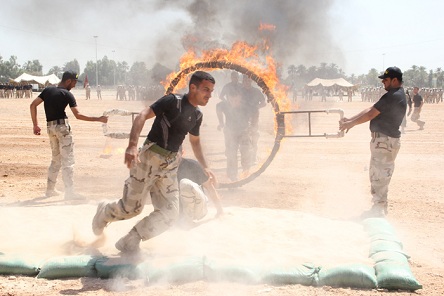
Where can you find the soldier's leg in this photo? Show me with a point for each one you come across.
(245, 151)
(382, 164)
(64, 136)
(56, 163)
(231, 147)
(165, 199)
(135, 192)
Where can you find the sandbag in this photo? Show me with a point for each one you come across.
(231, 273)
(358, 276)
(386, 237)
(383, 245)
(65, 267)
(107, 267)
(394, 275)
(15, 265)
(390, 256)
(305, 274)
(181, 271)
(378, 226)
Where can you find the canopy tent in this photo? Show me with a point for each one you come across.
(341, 82)
(32, 79)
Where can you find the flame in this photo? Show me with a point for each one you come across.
(245, 55)
(107, 150)
(266, 27)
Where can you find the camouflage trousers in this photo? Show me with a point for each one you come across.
(237, 140)
(384, 150)
(193, 201)
(61, 141)
(415, 117)
(155, 176)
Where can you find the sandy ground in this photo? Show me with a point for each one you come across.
(302, 208)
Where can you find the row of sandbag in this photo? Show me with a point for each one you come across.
(391, 264)
(183, 270)
(391, 270)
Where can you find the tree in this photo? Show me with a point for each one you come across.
(10, 69)
(138, 74)
(56, 70)
(372, 77)
(431, 79)
(439, 77)
(292, 71)
(33, 67)
(73, 66)
(122, 72)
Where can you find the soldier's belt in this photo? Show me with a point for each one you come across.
(161, 151)
(378, 135)
(56, 122)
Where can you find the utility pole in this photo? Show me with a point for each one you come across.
(383, 62)
(97, 66)
(115, 65)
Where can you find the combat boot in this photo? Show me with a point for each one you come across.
(51, 193)
(378, 210)
(130, 243)
(99, 223)
(70, 194)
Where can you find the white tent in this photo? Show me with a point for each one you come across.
(32, 79)
(341, 82)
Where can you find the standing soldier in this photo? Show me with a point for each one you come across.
(418, 102)
(55, 100)
(385, 118)
(88, 91)
(253, 100)
(99, 92)
(235, 119)
(233, 83)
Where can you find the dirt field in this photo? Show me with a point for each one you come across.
(322, 182)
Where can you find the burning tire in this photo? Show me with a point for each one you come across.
(279, 118)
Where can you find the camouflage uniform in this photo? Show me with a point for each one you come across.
(61, 141)
(154, 176)
(384, 150)
(386, 142)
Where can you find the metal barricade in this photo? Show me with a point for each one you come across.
(339, 134)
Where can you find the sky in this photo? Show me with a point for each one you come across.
(356, 35)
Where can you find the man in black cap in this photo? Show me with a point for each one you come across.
(385, 117)
(59, 131)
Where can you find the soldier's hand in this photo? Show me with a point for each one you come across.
(37, 130)
(131, 156)
(103, 119)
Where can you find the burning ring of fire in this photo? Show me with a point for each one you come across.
(280, 132)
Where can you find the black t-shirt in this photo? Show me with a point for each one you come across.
(252, 97)
(192, 170)
(175, 118)
(236, 118)
(55, 100)
(417, 100)
(226, 89)
(392, 107)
